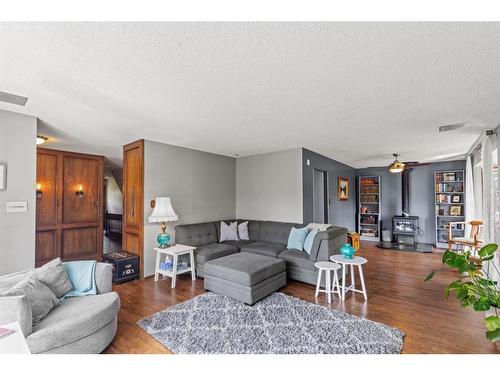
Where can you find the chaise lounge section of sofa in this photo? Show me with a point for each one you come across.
(267, 238)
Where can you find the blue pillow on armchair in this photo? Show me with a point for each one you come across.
(296, 238)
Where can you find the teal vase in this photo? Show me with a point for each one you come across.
(347, 251)
(163, 240)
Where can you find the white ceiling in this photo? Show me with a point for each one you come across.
(355, 92)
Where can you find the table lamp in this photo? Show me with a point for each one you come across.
(163, 212)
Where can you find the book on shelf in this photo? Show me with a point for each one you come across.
(369, 181)
(446, 187)
(369, 232)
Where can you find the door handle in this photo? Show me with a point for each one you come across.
(133, 202)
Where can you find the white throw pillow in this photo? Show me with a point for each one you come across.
(243, 231)
(229, 232)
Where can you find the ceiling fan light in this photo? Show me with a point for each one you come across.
(396, 166)
(40, 139)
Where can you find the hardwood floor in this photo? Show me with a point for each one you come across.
(397, 296)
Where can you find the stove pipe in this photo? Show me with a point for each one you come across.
(405, 189)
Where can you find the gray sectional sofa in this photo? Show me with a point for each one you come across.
(265, 238)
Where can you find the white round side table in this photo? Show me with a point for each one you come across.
(328, 267)
(355, 261)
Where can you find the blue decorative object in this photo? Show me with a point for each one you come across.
(347, 251)
(296, 238)
(163, 239)
(308, 243)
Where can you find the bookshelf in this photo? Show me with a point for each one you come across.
(369, 208)
(449, 200)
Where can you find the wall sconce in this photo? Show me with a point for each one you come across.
(79, 191)
(39, 192)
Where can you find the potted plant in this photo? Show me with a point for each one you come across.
(477, 286)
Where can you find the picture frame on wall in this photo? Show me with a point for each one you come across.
(342, 188)
(3, 176)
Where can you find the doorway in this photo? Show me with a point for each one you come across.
(320, 196)
(113, 202)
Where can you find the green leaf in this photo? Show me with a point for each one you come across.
(459, 262)
(463, 292)
(447, 292)
(464, 267)
(486, 282)
(472, 300)
(488, 250)
(465, 302)
(492, 322)
(488, 257)
(482, 304)
(449, 257)
(493, 336)
(429, 276)
(455, 285)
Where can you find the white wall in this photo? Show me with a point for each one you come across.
(114, 196)
(269, 186)
(200, 184)
(17, 230)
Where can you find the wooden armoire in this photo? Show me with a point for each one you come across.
(69, 222)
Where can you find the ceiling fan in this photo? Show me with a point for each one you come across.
(398, 166)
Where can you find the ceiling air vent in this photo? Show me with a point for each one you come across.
(12, 99)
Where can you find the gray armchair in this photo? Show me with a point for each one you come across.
(84, 325)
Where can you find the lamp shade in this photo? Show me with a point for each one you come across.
(163, 211)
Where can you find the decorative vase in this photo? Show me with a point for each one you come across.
(163, 240)
(347, 251)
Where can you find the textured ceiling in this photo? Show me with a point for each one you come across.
(356, 92)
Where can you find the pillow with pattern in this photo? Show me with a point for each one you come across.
(229, 232)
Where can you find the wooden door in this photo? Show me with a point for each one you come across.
(133, 200)
(69, 226)
(47, 215)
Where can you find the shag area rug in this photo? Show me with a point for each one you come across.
(278, 324)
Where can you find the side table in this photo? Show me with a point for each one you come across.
(15, 342)
(328, 267)
(175, 251)
(355, 261)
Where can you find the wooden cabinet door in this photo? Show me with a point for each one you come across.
(84, 172)
(133, 199)
(47, 175)
(82, 218)
(69, 226)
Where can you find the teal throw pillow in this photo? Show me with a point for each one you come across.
(308, 243)
(296, 238)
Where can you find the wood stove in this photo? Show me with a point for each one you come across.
(405, 227)
(404, 231)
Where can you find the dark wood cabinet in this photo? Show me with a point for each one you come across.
(69, 225)
(133, 200)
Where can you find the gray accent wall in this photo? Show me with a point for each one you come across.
(269, 186)
(421, 194)
(201, 185)
(340, 213)
(17, 230)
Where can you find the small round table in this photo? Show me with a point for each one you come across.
(355, 261)
(328, 267)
